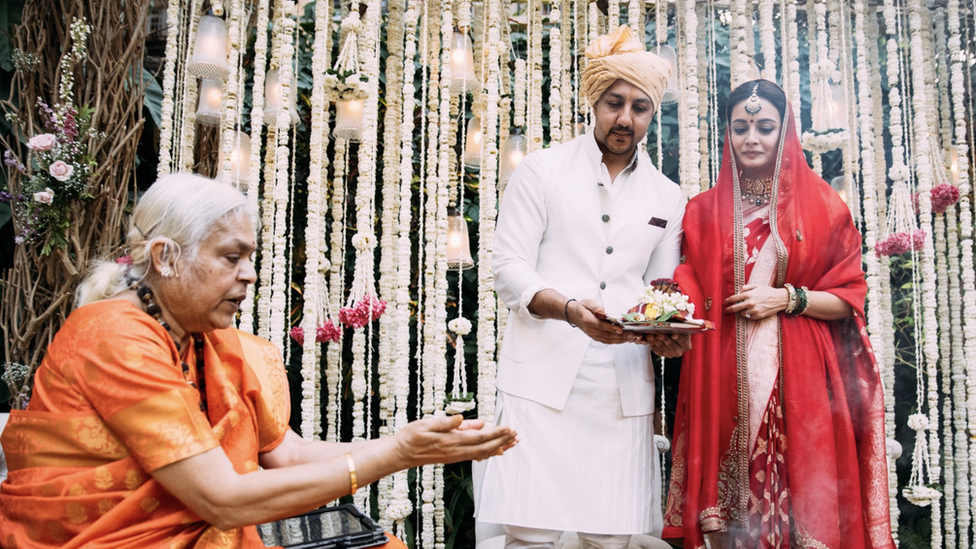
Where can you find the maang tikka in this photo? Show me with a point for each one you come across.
(752, 104)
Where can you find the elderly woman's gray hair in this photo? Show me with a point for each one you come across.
(178, 210)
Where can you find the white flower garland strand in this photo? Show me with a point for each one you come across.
(964, 375)
(739, 41)
(869, 182)
(257, 118)
(174, 35)
(940, 118)
(185, 160)
(388, 257)
(704, 172)
(279, 283)
(486, 223)
(400, 506)
(791, 58)
(566, 110)
(767, 39)
(519, 85)
(229, 138)
(314, 229)
(613, 15)
(333, 364)
(930, 325)
(691, 174)
(887, 372)
(556, 106)
(534, 134)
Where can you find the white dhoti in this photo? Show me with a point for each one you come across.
(586, 468)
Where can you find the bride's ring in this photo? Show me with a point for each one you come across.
(747, 315)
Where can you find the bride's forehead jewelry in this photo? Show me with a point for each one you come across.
(752, 104)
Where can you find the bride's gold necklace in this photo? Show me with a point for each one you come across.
(756, 191)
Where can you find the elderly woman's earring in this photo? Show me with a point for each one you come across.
(165, 271)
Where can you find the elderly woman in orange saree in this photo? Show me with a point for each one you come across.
(154, 423)
(779, 433)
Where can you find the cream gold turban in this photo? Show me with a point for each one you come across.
(621, 55)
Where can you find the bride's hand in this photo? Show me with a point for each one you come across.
(756, 302)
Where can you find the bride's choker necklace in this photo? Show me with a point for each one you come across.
(756, 191)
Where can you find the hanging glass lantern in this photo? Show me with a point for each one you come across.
(272, 99)
(210, 99)
(472, 144)
(672, 92)
(458, 246)
(512, 153)
(209, 58)
(240, 160)
(837, 107)
(463, 79)
(349, 119)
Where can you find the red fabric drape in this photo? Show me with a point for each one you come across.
(832, 399)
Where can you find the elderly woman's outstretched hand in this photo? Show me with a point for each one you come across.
(450, 439)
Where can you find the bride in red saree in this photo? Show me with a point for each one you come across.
(779, 434)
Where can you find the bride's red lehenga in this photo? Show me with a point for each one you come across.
(779, 435)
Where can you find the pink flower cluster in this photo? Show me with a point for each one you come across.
(366, 310)
(943, 197)
(900, 243)
(323, 334)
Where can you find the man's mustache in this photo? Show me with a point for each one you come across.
(622, 129)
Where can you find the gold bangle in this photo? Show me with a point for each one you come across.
(352, 473)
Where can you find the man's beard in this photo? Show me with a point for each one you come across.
(614, 149)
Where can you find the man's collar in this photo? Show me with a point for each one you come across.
(594, 152)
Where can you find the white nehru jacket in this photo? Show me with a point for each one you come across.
(563, 225)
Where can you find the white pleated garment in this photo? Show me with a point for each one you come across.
(586, 468)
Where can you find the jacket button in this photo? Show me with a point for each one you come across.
(609, 249)
(603, 285)
(606, 218)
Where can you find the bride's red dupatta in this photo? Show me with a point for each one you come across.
(830, 384)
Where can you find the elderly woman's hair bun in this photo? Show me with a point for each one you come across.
(178, 210)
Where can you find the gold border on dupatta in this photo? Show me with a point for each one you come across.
(740, 445)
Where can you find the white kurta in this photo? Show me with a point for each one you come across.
(586, 461)
(564, 225)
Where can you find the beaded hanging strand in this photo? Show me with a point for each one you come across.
(486, 220)
(964, 373)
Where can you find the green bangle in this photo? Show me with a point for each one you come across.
(803, 301)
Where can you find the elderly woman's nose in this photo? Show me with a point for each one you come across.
(247, 273)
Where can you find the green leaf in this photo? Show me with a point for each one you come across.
(9, 17)
(153, 99)
(6, 214)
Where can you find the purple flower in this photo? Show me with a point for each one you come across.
(18, 240)
(12, 161)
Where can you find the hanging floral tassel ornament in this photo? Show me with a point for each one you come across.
(902, 234)
(460, 400)
(917, 491)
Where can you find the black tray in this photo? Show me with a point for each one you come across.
(340, 527)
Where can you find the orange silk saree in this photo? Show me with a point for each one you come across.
(111, 405)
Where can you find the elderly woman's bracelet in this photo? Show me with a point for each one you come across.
(352, 473)
(566, 312)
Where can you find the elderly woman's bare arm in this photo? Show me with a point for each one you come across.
(208, 484)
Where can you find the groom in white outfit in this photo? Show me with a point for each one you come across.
(583, 228)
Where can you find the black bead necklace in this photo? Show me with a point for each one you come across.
(153, 310)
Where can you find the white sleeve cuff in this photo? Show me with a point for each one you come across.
(526, 298)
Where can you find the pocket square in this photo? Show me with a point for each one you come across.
(658, 222)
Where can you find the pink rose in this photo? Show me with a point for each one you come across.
(42, 142)
(44, 197)
(61, 171)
